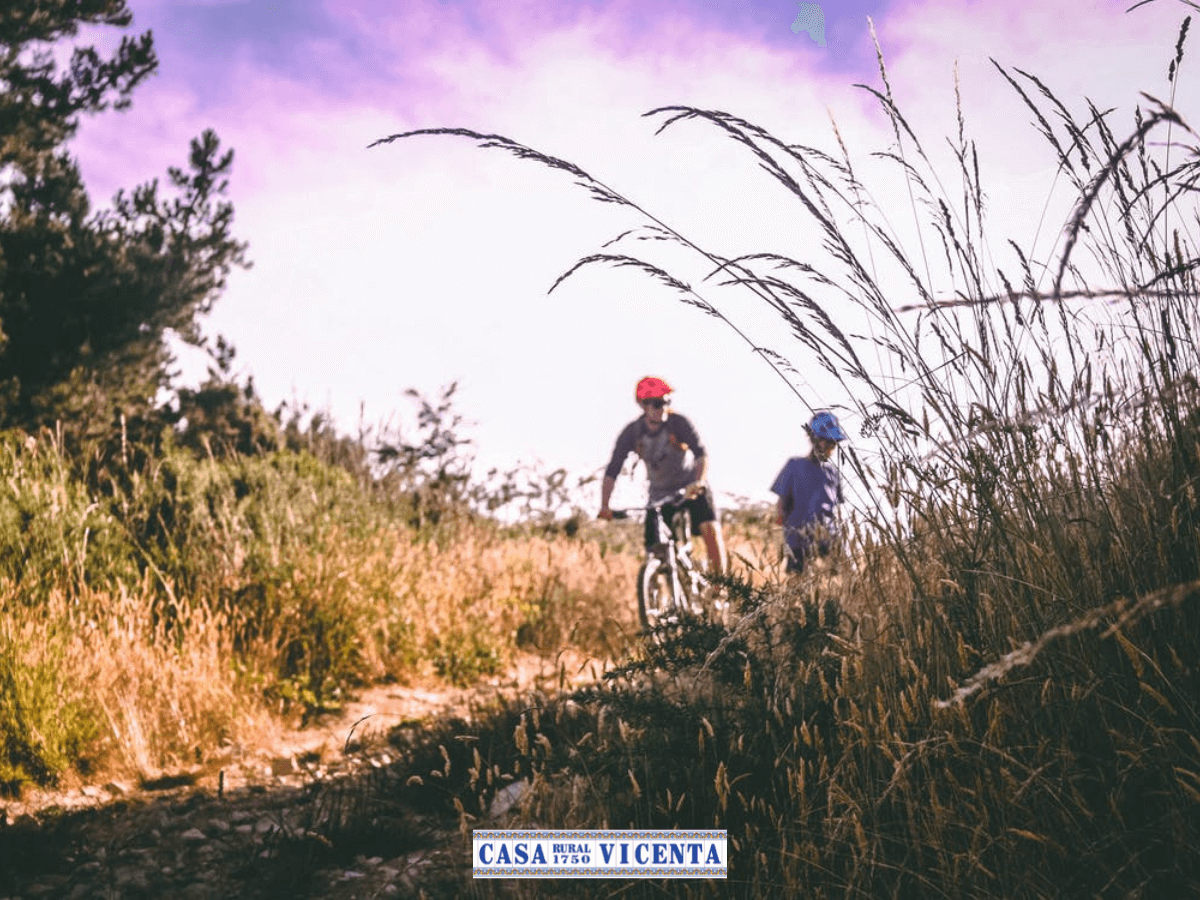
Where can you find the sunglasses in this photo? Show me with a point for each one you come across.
(657, 402)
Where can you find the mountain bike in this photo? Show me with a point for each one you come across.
(669, 583)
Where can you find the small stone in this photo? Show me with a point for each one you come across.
(193, 834)
(283, 765)
(351, 874)
(508, 797)
(117, 788)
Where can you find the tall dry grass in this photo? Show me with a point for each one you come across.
(155, 612)
(995, 694)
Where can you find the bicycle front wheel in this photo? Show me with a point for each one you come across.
(655, 592)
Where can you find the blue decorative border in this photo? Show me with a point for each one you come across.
(601, 871)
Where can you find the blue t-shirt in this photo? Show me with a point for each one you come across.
(810, 491)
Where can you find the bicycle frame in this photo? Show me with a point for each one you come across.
(672, 559)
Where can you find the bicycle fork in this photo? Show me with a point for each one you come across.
(677, 591)
(670, 559)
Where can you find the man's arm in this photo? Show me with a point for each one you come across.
(685, 433)
(699, 472)
(621, 450)
(606, 489)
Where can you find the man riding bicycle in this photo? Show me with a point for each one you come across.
(675, 460)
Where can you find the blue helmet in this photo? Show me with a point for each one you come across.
(825, 425)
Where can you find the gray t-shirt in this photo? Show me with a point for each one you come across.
(670, 453)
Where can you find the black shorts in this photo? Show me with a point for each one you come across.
(700, 510)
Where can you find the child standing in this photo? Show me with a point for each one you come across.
(809, 489)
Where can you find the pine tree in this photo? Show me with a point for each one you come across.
(87, 299)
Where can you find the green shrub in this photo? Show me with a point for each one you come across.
(44, 727)
(463, 656)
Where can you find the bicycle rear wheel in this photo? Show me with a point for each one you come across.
(655, 592)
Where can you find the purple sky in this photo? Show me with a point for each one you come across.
(337, 46)
(427, 261)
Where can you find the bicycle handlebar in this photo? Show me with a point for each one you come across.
(678, 497)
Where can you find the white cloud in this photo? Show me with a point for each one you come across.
(427, 260)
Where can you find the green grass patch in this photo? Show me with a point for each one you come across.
(45, 727)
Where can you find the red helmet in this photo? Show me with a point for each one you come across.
(650, 387)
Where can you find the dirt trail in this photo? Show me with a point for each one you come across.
(211, 831)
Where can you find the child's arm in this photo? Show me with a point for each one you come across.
(783, 489)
